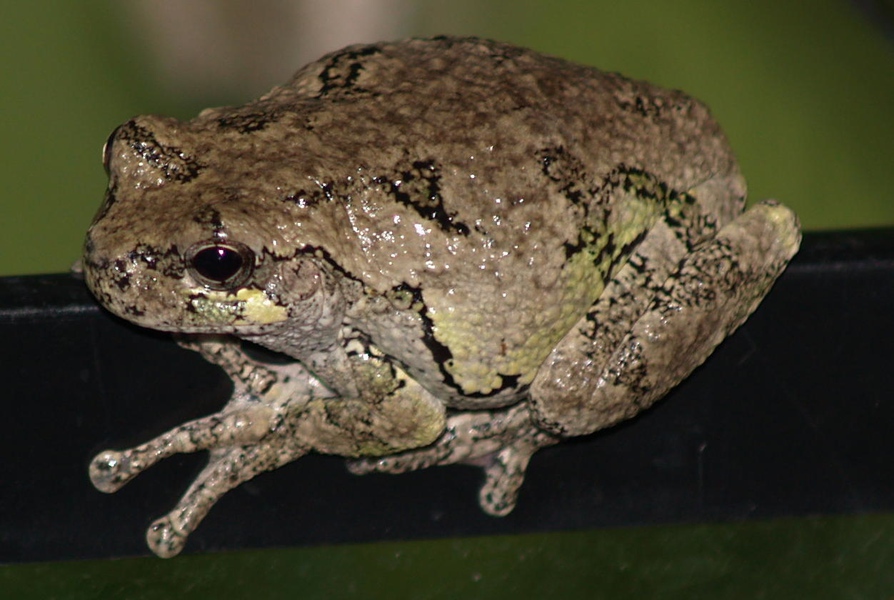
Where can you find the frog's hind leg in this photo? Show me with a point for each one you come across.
(500, 441)
(659, 318)
(263, 398)
(623, 355)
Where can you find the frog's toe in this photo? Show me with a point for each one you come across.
(164, 539)
(364, 466)
(110, 470)
(503, 480)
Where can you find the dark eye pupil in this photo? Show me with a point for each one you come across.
(217, 264)
(221, 266)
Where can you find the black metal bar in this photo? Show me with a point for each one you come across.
(791, 416)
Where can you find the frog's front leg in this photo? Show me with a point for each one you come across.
(396, 418)
(110, 470)
(262, 396)
(278, 413)
(253, 433)
(585, 385)
(227, 468)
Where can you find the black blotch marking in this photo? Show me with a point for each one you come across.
(568, 173)
(343, 69)
(569, 176)
(316, 252)
(309, 199)
(248, 122)
(631, 372)
(119, 273)
(718, 265)
(690, 225)
(174, 163)
(632, 181)
(134, 311)
(420, 190)
(167, 261)
(442, 354)
(651, 107)
(210, 216)
(108, 201)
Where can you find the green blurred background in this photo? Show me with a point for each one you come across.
(805, 91)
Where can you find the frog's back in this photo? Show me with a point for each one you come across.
(485, 178)
(476, 142)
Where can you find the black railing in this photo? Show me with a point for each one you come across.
(792, 415)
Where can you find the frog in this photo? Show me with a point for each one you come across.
(462, 251)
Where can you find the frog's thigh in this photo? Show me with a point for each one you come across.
(710, 293)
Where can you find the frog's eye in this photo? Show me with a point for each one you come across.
(220, 265)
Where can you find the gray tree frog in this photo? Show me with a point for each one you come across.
(470, 251)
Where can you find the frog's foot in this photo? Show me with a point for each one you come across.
(227, 468)
(504, 473)
(501, 442)
(111, 469)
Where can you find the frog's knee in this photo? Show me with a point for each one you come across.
(404, 421)
(428, 418)
(775, 227)
(570, 409)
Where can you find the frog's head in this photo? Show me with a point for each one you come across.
(176, 247)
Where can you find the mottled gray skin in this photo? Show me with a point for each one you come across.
(544, 248)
